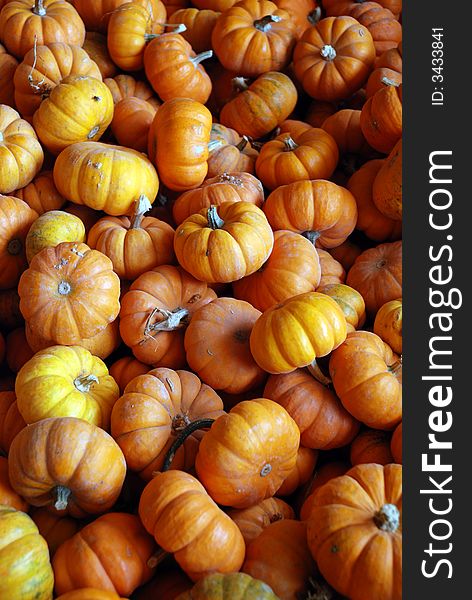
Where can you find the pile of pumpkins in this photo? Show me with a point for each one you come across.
(200, 299)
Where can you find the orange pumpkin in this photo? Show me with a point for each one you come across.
(253, 520)
(111, 553)
(261, 106)
(8, 497)
(388, 324)
(174, 70)
(332, 270)
(199, 25)
(346, 253)
(16, 217)
(23, 25)
(292, 268)
(387, 186)
(323, 422)
(345, 127)
(154, 311)
(229, 152)
(377, 275)
(227, 187)
(21, 154)
(310, 154)
(124, 86)
(18, 350)
(95, 45)
(370, 220)
(178, 143)
(8, 65)
(96, 14)
(67, 464)
(371, 446)
(153, 410)
(125, 369)
(301, 473)
(387, 71)
(303, 13)
(131, 122)
(385, 29)
(41, 194)
(354, 532)
(54, 528)
(254, 37)
(183, 518)
(381, 118)
(322, 475)
(322, 211)
(281, 558)
(351, 302)
(217, 345)
(54, 293)
(43, 68)
(240, 467)
(367, 378)
(333, 59)
(11, 422)
(224, 244)
(134, 245)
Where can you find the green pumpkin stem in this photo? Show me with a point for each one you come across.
(180, 439)
(317, 373)
(214, 219)
(62, 497)
(142, 205)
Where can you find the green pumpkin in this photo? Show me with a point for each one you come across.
(229, 586)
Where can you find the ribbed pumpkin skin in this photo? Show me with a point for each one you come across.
(54, 528)
(110, 553)
(178, 143)
(292, 268)
(55, 300)
(281, 558)
(387, 187)
(353, 554)
(227, 251)
(125, 369)
(66, 381)
(183, 518)
(381, 118)
(313, 323)
(217, 345)
(105, 177)
(41, 70)
(8, 496)
(248, 47)
(318, 208)
(25, 570)
(199, 24)
(153, 410)
(95, 45)
(354, 52)
(231, 586)
(237, 468)
(254, 519)
(16, 218)
(41, 194)
(320, 416)
(77, 455)
(388, 324)
(20, 27)
(8, 66)
(367, 379)
(371, 446)
(11, 421)
(266, 103)
(385, 29)
(21, 154)
(350, 301)
(89, 594)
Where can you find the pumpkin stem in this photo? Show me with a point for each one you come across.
(38, 8)
(62, 497)
(311, 236)
(173, 320)
(387, 81)
(202, 56)
(157, 558)
(161, 199)
(314, 16)
(15, 246)
(317, 373)
(180, 422)
(180, 439)
(84, 382)
(177, 27)
(319, 591)
(290, 144)
(64, 288)
(243, 143)
(142, 205)
(265, 24)
(387, 518)
(396, 367)
(214, 219)
(328, 52)
(239, 84)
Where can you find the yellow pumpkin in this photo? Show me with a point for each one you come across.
(388, 324)
(52, 228)
(66, 381)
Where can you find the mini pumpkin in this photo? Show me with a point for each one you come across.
(351, 302)
(371, 446)
(95, 45)
(199, 25)
(11, 421)
(385, 29)
(253, 520)
(229, 586)
(387, 186)
(131, 122)
(240, 467)
(381, 118)
(8, 65)
(388, 324)
(41, 194)
(52, 228)
(66, 381)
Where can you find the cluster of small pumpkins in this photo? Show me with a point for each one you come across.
(200, 299)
